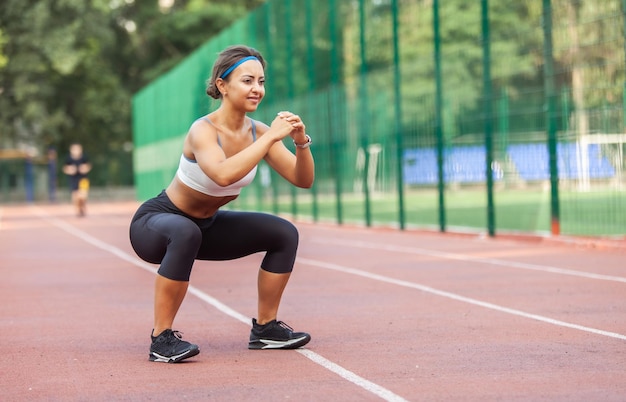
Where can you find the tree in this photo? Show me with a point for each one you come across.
(3, 58)
(56, 85)
(161, 38)
(68, 69)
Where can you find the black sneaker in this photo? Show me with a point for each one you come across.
(276, 335)
(169, 347)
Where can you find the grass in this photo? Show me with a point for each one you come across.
(593, 213)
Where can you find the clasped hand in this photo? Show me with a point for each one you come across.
(287, 123)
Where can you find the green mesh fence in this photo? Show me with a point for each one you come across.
(490, 116)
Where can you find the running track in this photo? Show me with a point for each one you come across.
(393, 315)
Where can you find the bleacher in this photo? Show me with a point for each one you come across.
(420, 166)
(466, 164)
(463, 164)
(532, 161)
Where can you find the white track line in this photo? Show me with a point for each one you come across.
(465, 257)
(348, 375)
(453, 296)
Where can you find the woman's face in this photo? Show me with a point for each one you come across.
(246, 87)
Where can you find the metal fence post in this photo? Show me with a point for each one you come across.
(270, 73)
(290, 84)
(624, 90)
(398, 113)
(488, 114)
(364, 113)
(548, 68)
(439, 118)
(503, 122)
(332, 115)
(311, 75)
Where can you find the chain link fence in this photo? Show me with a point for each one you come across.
(494, 116)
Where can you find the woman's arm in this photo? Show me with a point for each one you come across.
(202, 143)
(298, 169)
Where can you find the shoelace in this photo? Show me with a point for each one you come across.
(178, 334)
(176, 338)
(282, 324)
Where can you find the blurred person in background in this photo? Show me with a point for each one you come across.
(76, 167)
(52, 174)
(29, 177)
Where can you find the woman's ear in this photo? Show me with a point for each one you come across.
(221, 86)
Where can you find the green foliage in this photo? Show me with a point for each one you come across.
(55, 60)
(3, 58)
(68, 69)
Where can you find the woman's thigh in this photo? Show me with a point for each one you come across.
(236, 234)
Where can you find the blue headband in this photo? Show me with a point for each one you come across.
(234, 66)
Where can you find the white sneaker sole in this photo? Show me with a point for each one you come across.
(270, 344)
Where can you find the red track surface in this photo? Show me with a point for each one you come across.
(393, 315)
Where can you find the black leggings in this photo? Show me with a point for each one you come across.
(162, 234)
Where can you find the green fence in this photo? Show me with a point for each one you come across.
(493, 116)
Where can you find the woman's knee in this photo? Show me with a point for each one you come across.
(185, 236)
(281, 255)
(182, 249)
(286, 232)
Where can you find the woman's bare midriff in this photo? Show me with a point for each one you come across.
(194, 203)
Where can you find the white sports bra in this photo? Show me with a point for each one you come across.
(192, 176)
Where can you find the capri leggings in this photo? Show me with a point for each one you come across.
(162, 234)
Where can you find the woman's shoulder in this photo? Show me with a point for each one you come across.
(259, 126)
(204, 121)
(200, 132)
(202, 125)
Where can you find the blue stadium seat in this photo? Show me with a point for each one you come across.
(532, 162)
(420, 166)
(462, 164)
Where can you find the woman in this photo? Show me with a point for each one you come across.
(184, 223)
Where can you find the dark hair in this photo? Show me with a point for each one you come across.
(226, 59)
